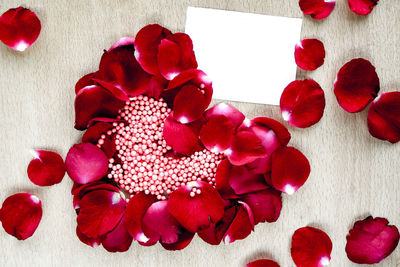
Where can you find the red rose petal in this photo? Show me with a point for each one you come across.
(290, 169)
(183, 241)
(263, 263)
(242, 224)
(93, 134)
(19, 28)
(384, 117)
(93, 242)
(217, 134)
(309, 54)
(317, 9)
(278, 128)
(234, 115)
(95, 101)
(124, 41)
(86, 80)
(47, 168)
(362, 7)
(86, 163)
(146, 45)
(175, 55)
(181, 137)
(119, 239)
(302, 103)
(196, 211)
(100, 212)
(311, 247)
(371, 240)
(357, 84)
(222, 177)
(189, 104)
(266, 205)
(246, 147)
(21, 214)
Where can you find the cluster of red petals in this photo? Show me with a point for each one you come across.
(311, 247)
(20, 215)
(309, 54)
(317, 9)
(362, 7)
(371, 240)
(46, 169)
(302, 103)
(19, 28)
(263, 263)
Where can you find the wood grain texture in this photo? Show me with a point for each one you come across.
(353, 175)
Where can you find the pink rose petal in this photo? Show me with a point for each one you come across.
(263, 263)
(246, 147)
(362, 7)
(47, 168)
(86, 163)
(20, 215)
(311, 247)
(309, 54)
(384, 117)
(317, 9)
(357, 84)
(119, 239)
(19, 28)
(290, 169)
(302, 103)
(371, 240)
(265, 204)
(196, 205)
(217, 134)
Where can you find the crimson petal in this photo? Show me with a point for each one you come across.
(357, 84)
(362, 7)
(266, 205)
(20, 215)
(246, 147)
(47, 168)
(234, 115)
(86, 163)
(290, 169)
(183, 241)
(311, 247)
(317, 9)
(86, 80)
(19, 28)
(280, 130)
(384, 117)
(93, 134)
(196, 205)
(263, 263)
(189, 104)
(302, 103)
(124, 41)
(93, 242)
(217, 134)
(309, 54)
(119, 239)
(371, 240)
(222, 177)
(242, 224)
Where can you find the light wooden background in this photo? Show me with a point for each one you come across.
(353, 175)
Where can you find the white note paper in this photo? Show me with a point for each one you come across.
(249, 57)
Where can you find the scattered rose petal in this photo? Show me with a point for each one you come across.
(196, 205)
(241, 225)
(95, 131)
(86, 163)
(263, 263)
(119, 239)
(47, 168)
(290, 169)
(362, 7)
(371, 240)
(384, 117)
(19, 28)
(317, 9)
(189, 104)
(309, 54)
(21, 214)
(234, 115)
(357, 84)
(302, 103)
(217, 134)
(183, 241)
(265, 204)
(311, 247)
(86, 80)
(93, 242)
(124, 41)
(246, 147)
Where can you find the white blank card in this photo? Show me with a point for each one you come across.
(249, 57)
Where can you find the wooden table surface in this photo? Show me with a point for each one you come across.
(353, 175)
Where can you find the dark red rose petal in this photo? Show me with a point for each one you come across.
(124, 41)
(95, 101)
(93, 134)
(181, 137)
(317, 9)
(242, 224)
(309, 54)
(175, 55)
(196, 210)
(280, 130)
(100, 212)
(302, 103)
(19, 28)
(21, 214)
(384, 117)
(189, 104)
(222, 177)
(357, 84)
(263, 263)
(93, 242)
(266, 205)
(86, 80)
(47, 168)
(311, 247)
(183, 241)
(234, 115)
(217, 134)
(246, 147)
(371, 240)
(362, 7)
(146, 45)
(290, 169)
(119, 239)
(86, 163)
